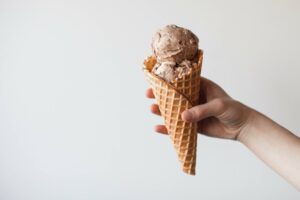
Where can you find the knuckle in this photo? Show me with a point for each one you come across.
(220, 103)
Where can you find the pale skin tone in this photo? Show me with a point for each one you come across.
(219, 115)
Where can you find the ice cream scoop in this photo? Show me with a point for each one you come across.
(174, 43)
(166, 70)
(174, 48)
(170, 71)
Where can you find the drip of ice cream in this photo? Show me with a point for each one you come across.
(175, 49)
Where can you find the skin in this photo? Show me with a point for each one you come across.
(221, 116)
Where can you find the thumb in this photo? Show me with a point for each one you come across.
(213, 108)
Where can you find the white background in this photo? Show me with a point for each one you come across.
(74, 122)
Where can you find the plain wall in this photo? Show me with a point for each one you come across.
(74, 120)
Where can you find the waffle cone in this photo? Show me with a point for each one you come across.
(172, 99)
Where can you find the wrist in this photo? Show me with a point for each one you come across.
(249, 126)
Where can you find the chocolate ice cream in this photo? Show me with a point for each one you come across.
(175, 49)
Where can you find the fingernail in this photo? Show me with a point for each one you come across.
(187, 116)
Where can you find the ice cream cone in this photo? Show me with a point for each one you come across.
(172, 99)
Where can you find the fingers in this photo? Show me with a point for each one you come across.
(213, 108)
(149, 93)
(155, 109)
(161, 129)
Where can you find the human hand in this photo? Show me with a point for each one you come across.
(218, 115)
